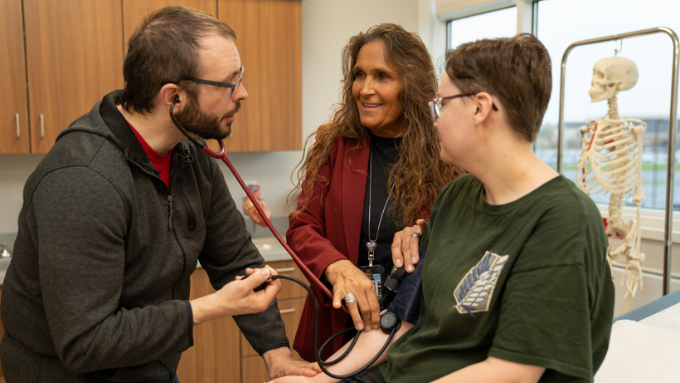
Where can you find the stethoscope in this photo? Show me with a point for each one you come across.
(389, 323)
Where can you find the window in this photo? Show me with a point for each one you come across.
(561, 23)
(501, 23)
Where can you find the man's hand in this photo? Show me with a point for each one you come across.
(347, 278)
(238, 297)
(280, 362)
(405, 246)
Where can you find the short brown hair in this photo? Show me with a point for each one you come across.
(164, 49)
(517, 70)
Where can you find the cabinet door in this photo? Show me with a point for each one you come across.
(74, 54)
(253, 366)
(269, 41)
(291, 312)
(215, 354)
(134, 11)
(291, 300)
(14, 112)
(2, 333)
(254, 370)
(290, 289)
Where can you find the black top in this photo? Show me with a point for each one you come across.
(384, 152)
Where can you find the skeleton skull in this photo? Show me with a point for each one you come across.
(611, 75)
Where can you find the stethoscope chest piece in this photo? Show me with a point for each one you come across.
(388, 321)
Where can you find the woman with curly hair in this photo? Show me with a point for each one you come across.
(517, 284)
(372, 170)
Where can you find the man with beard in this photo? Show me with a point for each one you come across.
(119, 211)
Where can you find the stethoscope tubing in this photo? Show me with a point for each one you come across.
(317, 350)
(222, 155)
(310, 276)
(305, 270)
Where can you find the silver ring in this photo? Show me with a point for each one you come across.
(350, 298)
(415, 234)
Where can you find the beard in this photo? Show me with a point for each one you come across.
(193, 120)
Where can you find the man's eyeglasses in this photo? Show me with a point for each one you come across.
(221, 84)
(436, 104)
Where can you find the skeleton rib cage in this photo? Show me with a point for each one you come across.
(609, 154)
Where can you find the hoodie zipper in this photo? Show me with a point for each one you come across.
(171, 227)
(170, 212)
(191, 215)
(184, 264)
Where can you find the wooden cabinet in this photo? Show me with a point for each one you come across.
(134, 11)
(2, 334)
(252, 365)
(74, 56)
(269, 40)
(74, 52)
(291, 300)
(254, 370)
(14, 112)
(215, 354)
(220, 352)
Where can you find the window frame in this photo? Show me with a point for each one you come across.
(652, 221)
(450, 22)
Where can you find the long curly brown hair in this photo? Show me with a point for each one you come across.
(419, 174)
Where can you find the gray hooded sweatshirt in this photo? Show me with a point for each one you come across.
(97, 289)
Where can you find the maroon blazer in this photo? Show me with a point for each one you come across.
(328, 231)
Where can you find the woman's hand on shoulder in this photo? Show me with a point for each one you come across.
(405, 246)
(347, 278)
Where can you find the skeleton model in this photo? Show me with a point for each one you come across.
(611, 149)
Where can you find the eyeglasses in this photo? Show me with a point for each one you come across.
(221, 84)
(436, 104)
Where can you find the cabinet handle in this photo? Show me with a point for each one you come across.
(42, 126)
(287, 311)
(285, 269)
(18, 127)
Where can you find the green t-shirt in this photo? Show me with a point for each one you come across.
(528, 282)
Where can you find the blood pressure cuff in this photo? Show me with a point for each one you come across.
(406, 303)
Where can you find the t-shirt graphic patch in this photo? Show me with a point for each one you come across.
(475, 290)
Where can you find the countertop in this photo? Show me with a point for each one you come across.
(269, 247)
(4, 263)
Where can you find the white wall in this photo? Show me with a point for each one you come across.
(326, 28)
(14, 170)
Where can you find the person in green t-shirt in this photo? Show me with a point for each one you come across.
(517, 284)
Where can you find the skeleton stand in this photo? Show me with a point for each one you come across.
(668, 230)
